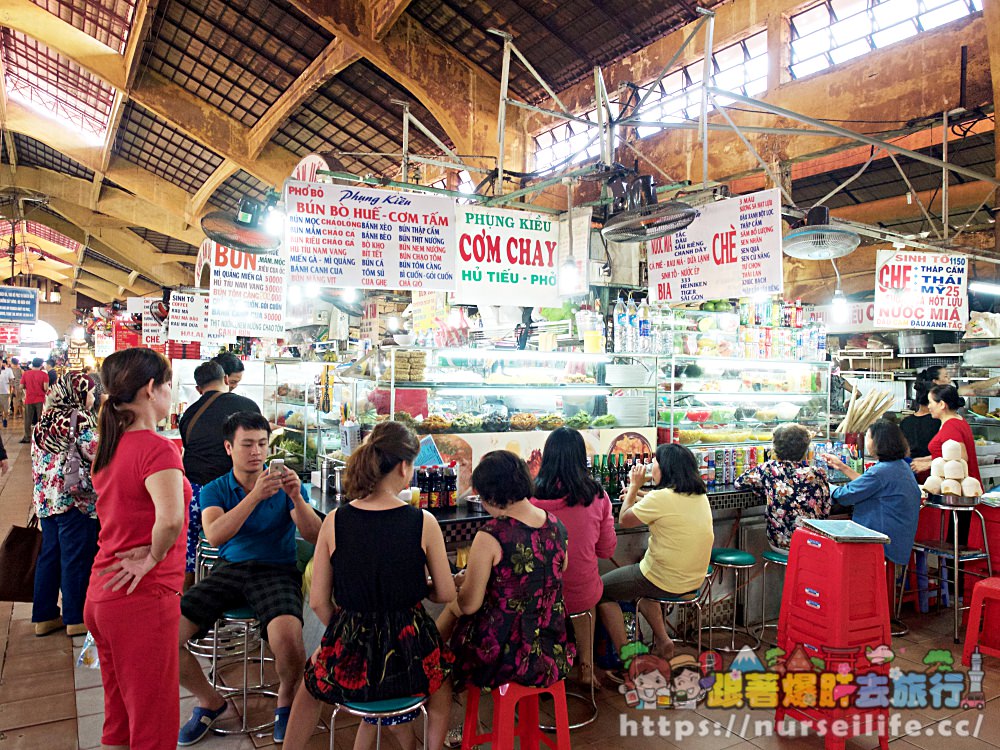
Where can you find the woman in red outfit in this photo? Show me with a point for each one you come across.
(944, 404)
(133, 603)
(564, 489)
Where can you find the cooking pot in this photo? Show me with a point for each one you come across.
(916, 342)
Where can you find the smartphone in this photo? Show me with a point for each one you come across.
(277, 466)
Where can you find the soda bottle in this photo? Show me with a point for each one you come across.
(450, 489)
(799, 313)
(632, 336)
(745, 312)
(620, 322)
(644, 329)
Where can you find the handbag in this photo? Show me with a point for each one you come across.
(76, 472)
(18, 555)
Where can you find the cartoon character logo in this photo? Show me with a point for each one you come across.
(880, 655)
(647, 683)
(687, 686)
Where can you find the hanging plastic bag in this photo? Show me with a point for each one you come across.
(88, 656)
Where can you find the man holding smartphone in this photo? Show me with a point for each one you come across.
(251, 514)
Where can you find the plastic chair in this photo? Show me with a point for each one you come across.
(983, 591)
(515, 716)
(379, 711)
(738, 561)
(770, 557)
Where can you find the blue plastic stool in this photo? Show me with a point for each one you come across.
(379, 711)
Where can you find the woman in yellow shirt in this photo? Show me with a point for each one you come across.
(680, 543)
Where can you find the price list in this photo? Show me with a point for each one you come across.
(373, 239)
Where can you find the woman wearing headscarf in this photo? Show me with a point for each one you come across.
(66, 512)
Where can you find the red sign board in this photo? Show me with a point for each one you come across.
(126, 336)
(10, 335)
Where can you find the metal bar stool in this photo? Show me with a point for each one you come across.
(950, 551)
(380, 711)
(691, 599)
(592, 700)
(770, 557)
(248, 637)
(738, 561)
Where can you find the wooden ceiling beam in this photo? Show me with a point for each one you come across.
(154, 202)
(337, 56)
(384, 14)
(461, 96)
(170, 102)
(199, 201)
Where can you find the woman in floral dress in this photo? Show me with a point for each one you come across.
(792, 489)
(511, 619)
(68, 521)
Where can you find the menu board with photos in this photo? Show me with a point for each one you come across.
(343, 236)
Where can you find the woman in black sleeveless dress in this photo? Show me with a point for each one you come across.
(373, 556)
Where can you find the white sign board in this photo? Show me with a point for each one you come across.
(247, 295)
(104, 345)
(733, 249)
(154, 319)
(507, 257)
(921, 290)
(188, 321)
(860, 318)
(371, 239)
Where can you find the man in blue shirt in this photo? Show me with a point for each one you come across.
(251, 515)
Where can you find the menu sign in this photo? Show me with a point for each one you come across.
(921, 290)
(104, 345)
(154, 319)
(188, 321)
(126, 336)
(507, 257)
(860, 318)
(10, 335)
(732, 249)
(247, 294)
(372, 239)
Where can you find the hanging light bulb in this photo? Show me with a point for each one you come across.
(350, 294)
(569, 276)
(274, 222)
(839, 308)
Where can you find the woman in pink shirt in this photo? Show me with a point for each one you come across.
(564, 488)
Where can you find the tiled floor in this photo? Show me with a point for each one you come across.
(48, 704)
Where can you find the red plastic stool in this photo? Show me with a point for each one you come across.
(983, 590)
(505, 728)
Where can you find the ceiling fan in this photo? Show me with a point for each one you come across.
(634, 214)
(251, 230)
(818, 239)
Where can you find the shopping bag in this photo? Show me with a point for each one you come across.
(89, 657)
(18, 555)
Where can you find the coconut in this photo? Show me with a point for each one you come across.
(932, 485)
(971, 487)
(937, 467)
(951, 487)
(951, 450)
(955, 470)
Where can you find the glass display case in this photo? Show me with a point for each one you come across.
(472, 390)
(731, 384)
(307, 402)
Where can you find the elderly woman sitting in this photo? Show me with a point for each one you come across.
(791, 487)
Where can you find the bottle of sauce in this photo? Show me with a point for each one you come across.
(434, 484)
(450, 489)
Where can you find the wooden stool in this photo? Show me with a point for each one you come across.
(510, 724)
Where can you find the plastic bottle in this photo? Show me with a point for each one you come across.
(821, 344)
(620, 322)
(632, 337)
(644, 328)
(800, 313)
